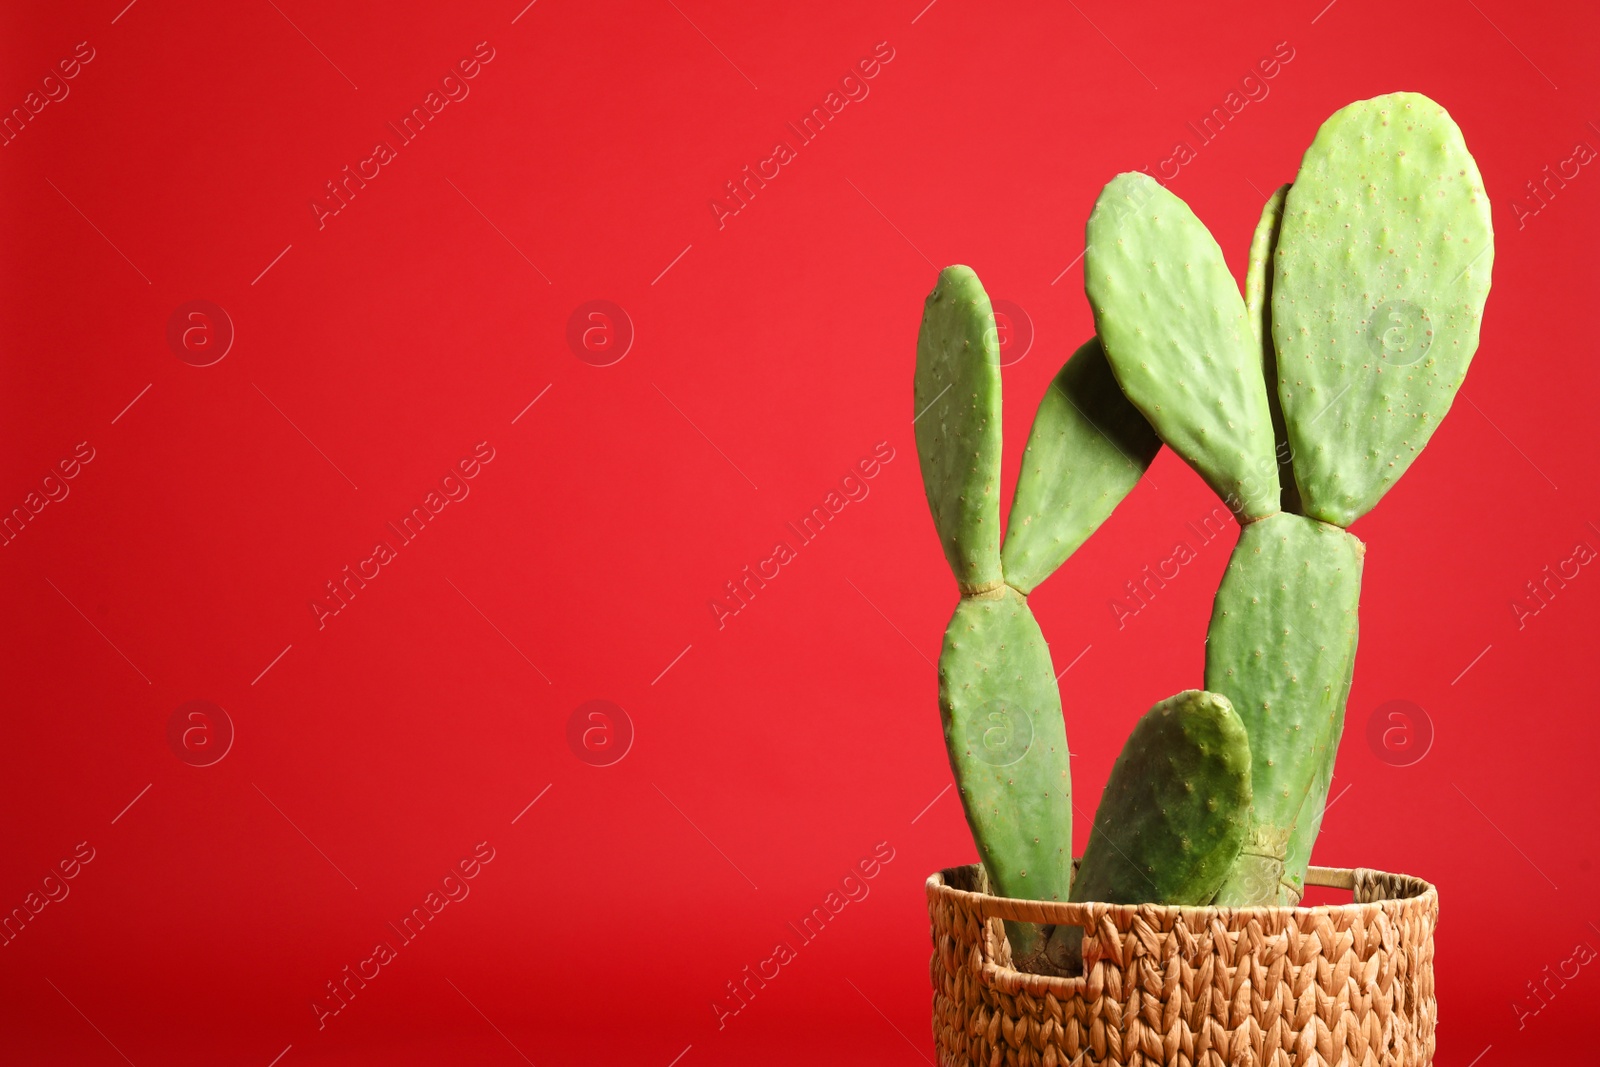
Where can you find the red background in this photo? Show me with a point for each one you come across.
(775, 352)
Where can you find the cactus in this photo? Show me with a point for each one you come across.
(1300, 403)
(998, 700)
(1172, 818)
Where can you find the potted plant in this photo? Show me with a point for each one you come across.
(1178, 937)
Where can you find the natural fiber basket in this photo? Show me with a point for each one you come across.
(1344, 984)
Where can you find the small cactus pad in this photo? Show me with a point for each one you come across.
(1173, 814)
(958, 425)
(1258, 305)
(1281, 647)
(1382, 270)
(1087, 450)
(1175, 330)
(1008, 749)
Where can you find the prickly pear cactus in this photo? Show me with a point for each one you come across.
(1179, 341)
(1382, 271)
(1087, 450)
(998, 700)
(1172, 818)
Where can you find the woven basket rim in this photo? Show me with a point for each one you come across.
(990, 972)
(1086, 914)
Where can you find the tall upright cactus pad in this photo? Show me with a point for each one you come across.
(1172, 818)
(1087, 450)
(1008, 749)
(1178, 338)
(1281, 646)
(1258, 306)
(957, 424)
(1382, 271)
(998, 700)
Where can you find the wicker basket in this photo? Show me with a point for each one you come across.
(1346, 984)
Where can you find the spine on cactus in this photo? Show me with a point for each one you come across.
(999, 705)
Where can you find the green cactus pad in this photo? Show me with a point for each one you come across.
(1382, 270)
(1087, 450)
(1173, 814)
(1281, 646)
(1178, 338)
(1309, 823)
(958, 425)
(1008, 749)
(1258, 306)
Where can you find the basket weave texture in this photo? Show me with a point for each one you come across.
(1346, 985)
